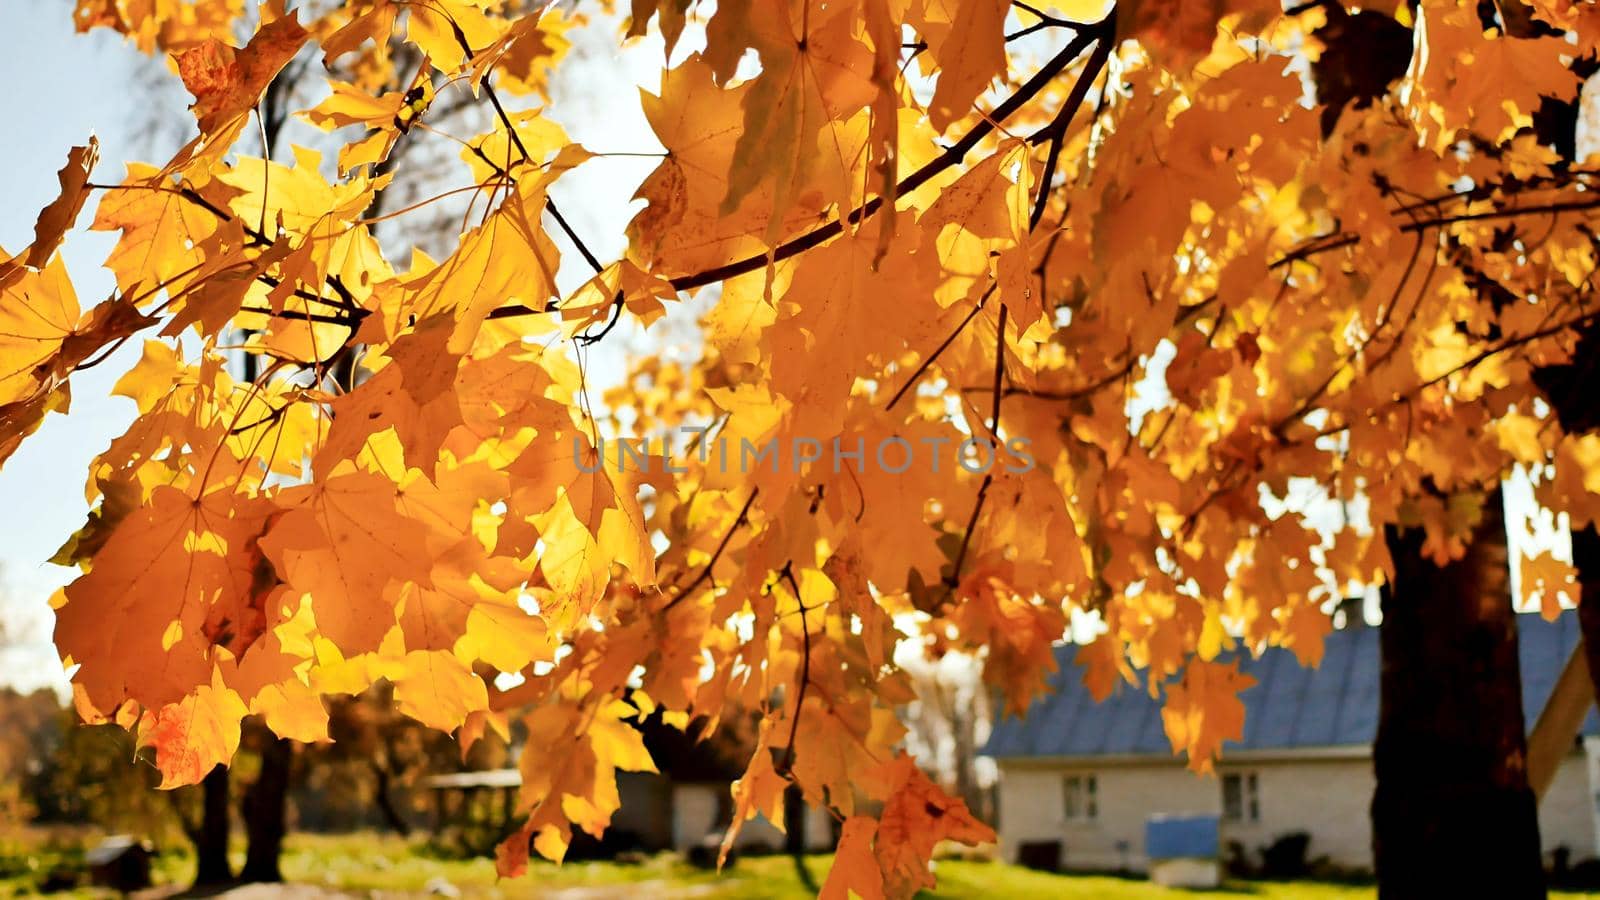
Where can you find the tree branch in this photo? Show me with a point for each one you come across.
(950, 157)
(1056, 131)
(1337, 240)
(549, 202)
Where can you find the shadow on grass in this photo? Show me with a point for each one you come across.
(1237, 886)
(803, 872)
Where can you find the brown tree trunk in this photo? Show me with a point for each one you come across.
(794, 835)
(794, 821)
(211, 837)
(265, 811)
(386, 808)
(1453, 815)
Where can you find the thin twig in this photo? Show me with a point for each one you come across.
(999, 372)
(786, 764)
(1311, 399)
(1043, 16)
(346, 299)
(1338, 240)
(705, 573)
(555, 213)
(941, 348)
(617, 302)
(1074, 394)
(954, 580)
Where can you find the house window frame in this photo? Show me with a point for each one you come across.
(1241, 797)
(1080, 797)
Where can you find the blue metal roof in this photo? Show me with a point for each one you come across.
(1182, 837)
(1289, 707)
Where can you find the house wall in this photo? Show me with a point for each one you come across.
(646, 808)
(1033, 808)
(1567, 811)
(1339, 795)
(694, 815)
(1328, 797)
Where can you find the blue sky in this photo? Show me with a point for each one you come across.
(61, 88)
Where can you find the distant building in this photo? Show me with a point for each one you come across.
(676, 808)
(119, 862)
(1089, 775)
(692, 797)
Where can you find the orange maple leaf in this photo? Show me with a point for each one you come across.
(227, 81)
(1203, 710)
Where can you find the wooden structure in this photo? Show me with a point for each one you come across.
(675, 808)
(119, 862)
(1185, 851)
(1559, 722)
(486, 798)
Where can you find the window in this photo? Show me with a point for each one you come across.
(1240, 797)
(1080, 802)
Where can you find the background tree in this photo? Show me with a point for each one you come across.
(1449, 649)
(30, 734)
(93, 777)
(265, 806)
(210, 830)
(948, 724)
(382, 756)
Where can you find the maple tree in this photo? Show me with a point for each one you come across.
(1123, 284)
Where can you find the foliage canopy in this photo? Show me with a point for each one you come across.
(1188, 264)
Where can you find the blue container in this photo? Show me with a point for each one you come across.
(1181, 837)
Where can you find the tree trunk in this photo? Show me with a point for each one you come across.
(794, 821)
(794, 835)
(386, 808)
(1586, 560)
(1453, 814)
(211, 838)
(265, 808)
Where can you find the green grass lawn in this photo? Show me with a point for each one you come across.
(379, 866)
(360, 863)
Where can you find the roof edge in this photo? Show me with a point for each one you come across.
(1285, 754)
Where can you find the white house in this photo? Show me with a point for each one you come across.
(1078, 780)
